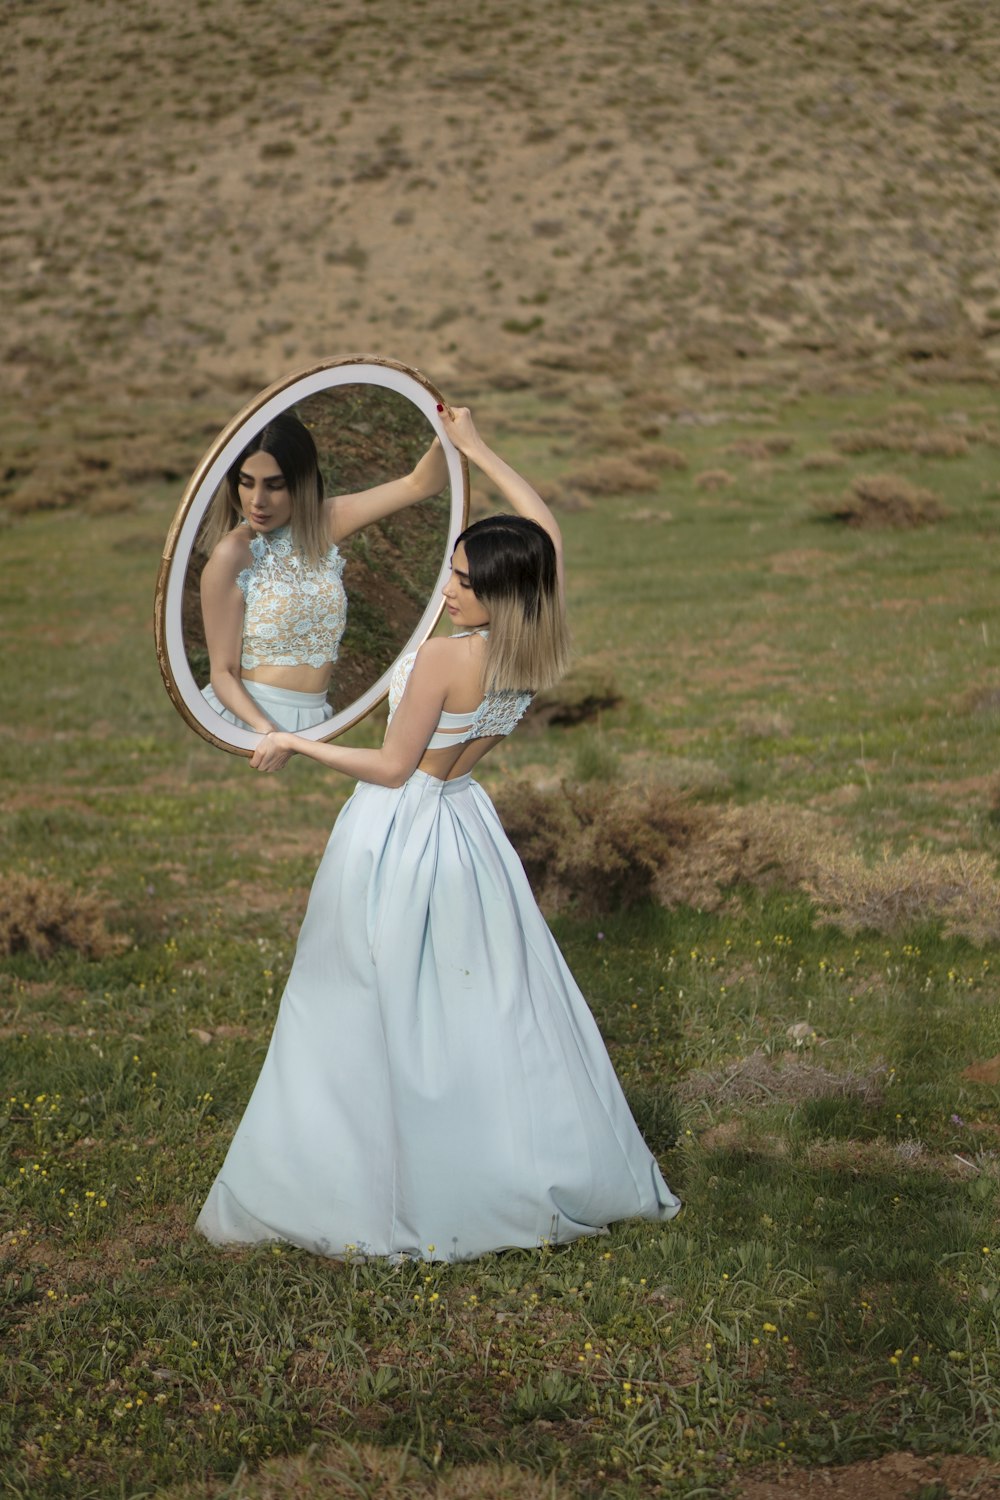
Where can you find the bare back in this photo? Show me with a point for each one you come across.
(458, 667)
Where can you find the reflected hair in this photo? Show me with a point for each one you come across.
(514, 575)
(292, 446)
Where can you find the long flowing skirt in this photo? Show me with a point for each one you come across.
(436, 1085)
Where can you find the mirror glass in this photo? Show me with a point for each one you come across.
(372, 420)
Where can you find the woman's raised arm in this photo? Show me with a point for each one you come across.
(525, 500)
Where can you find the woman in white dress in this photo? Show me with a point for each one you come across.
(436, 1085)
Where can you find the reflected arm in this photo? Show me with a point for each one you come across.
(349, 513)
(222, 612)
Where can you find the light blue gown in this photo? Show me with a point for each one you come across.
(436, 1085)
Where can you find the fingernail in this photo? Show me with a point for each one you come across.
(440, 407)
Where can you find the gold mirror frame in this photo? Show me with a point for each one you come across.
(171, 652)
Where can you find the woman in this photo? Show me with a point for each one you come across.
(435, 1085)
(272, 598)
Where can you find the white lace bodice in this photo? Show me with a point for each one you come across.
(295, 613)
(497, 714)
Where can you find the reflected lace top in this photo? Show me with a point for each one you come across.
(295, 613)
(498, 713)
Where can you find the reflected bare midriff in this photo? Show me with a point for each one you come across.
(297, 679)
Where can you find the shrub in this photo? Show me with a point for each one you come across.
(600, 847)
(613, 476)
(657, 456)
(884, 501)
(822, 461)
(761, 1079)
(38, 916)
(713, 479)
(916, 887)
(583, 694)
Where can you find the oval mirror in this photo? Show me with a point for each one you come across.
(372, 420)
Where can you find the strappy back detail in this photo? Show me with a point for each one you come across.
(496, 714)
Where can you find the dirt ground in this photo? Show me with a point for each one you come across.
(897, 1476)
(198, 197)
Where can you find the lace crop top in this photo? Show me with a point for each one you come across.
(294, 613)
(498, 713)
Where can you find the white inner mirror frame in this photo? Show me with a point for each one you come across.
(182, 537)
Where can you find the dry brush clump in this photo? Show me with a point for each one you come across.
(762, 1079)
(934, 442)
(821, 461)
(899, 891)
(883, 502)
(39, 916)
(582, 695)
(599, 847)
(612, 477)
(713, 479)
(554, 493)
(759, 449)
(657, 456)
(344, 1472)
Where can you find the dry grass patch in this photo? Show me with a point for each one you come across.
(883, 502)
(555, 493)
(39, 916)
(959, 889)
(713, 479)
(583, 694)
(612, 477)
(941, 443)
(600, 848)
(937, 442)
(822, 461)
(775, 445)
(762, 724)
(346, 1472)
(657, 456)
(762, 1079)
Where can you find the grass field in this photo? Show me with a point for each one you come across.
(814, 1053)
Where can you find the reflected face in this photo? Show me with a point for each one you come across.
(264, 496)
(462, 605)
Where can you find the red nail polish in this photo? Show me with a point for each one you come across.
(440, 407)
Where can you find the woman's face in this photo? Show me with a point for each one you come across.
(264, 496)
(461, 603)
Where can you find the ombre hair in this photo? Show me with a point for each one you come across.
(290, 443)
(514, 575)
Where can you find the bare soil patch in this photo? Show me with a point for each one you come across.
(896, 1476)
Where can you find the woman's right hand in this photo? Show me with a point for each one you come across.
(273, 751)
(461, 429)
(525, 499)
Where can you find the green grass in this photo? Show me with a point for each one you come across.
(831, 1290)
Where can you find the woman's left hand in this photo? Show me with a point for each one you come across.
(273, 751)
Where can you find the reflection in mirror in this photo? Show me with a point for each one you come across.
(364, 436)
(386, 493)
